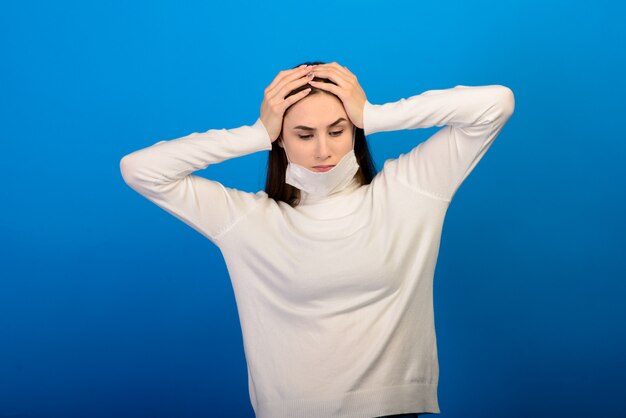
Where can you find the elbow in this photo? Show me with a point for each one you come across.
(138, 174)
(127, 169)
(506, 101)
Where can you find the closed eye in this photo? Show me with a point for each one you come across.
(336, 133)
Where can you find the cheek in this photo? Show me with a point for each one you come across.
(348, 144)
(301, 151)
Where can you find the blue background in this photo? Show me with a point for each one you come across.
(110, 307)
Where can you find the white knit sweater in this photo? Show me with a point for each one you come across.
(334, 295)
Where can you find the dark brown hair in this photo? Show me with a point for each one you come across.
(275, 185)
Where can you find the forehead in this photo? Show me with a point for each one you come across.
(317, 110)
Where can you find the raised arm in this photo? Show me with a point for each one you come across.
(473, 115)
(162, 174)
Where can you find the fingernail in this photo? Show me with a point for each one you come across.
(310, 75)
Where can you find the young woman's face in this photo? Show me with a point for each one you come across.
(317, 132)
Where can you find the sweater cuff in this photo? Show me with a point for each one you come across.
(262, 139)
(373, 118)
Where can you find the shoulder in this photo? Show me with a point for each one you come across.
(392, 184)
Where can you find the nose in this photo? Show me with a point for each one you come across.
(322, 148)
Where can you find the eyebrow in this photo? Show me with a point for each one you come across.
(307, 128)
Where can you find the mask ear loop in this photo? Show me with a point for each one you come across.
(285, 148)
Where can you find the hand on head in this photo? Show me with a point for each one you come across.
(347, 89)
(274, 102)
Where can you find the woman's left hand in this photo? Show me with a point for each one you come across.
(347, 89)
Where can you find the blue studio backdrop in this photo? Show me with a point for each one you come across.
(111, 307)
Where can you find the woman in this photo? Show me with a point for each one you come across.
(331, 266)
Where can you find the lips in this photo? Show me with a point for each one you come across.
(323, 167)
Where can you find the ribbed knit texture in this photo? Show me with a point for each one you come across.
(334, 296)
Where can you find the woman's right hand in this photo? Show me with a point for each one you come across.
(274, 102)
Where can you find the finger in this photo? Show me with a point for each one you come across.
(284, 73)
(282, 76)
(337, 91)
(287, 74)
(334, 75)
(292, 85)
(334, 67)
(286, 85)
(348, 72)
(280, 92)
(292, 99)
(343, 70)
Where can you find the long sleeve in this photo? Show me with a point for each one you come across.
(473, 115)
(163, 171)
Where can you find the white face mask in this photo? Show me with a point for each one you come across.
(322, 183)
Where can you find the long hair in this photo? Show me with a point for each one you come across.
(275, 185)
